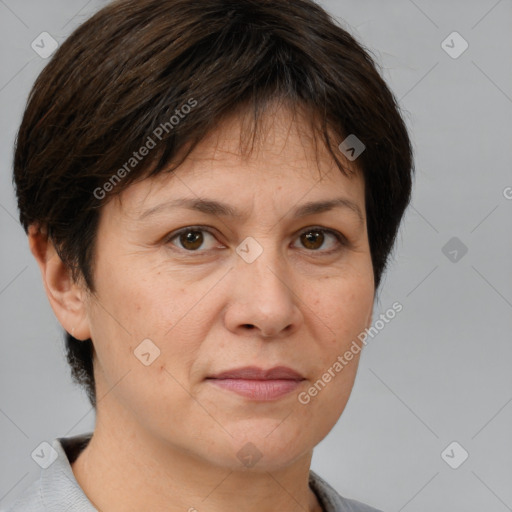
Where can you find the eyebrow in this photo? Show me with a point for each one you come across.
(212, 207)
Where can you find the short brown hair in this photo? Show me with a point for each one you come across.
(133, 65)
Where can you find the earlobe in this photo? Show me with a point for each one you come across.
(67, 298)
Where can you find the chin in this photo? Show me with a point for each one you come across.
(262, 445)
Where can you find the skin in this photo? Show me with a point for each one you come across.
(166, 438)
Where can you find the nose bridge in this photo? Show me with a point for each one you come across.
(263, 295)
(262, 263)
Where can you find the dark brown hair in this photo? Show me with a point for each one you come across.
(121, 77)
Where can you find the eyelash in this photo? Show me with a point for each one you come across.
(341, 239)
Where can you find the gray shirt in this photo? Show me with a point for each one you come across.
(57, 490)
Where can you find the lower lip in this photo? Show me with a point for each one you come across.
(264, 390)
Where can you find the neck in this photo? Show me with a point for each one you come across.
(130, 471)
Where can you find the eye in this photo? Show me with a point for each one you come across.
(191, 238)
(314, 238)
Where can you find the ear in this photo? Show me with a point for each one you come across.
(66, 297)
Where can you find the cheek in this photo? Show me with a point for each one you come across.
(139, 336)
(138, 301)
(345, 312)
(144, 313)
(345, 306)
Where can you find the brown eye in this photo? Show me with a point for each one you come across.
(192, 239)
(314, 239)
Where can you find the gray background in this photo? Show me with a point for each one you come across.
(440, 371)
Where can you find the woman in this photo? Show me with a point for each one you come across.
(211, 191)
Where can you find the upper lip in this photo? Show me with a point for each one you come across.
(255, 373)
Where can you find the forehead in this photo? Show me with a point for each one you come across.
(285, 159)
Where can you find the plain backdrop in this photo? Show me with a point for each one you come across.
(439, 372)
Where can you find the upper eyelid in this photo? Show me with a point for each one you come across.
(211, 230)
(340, 237)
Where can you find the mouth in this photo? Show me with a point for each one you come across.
(257, 383)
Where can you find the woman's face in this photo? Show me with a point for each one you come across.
(184, 293)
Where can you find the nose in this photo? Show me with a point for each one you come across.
(262, 298)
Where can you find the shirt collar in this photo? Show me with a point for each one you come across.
(59, 488)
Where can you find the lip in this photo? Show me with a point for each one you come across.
(255, 373)
(258, 383)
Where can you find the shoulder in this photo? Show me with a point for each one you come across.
(29, 501)
(56, 489)
(332, 501)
